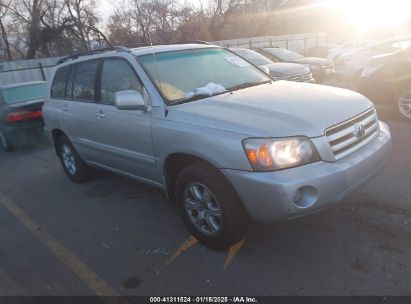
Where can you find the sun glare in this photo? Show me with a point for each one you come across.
(372, 14)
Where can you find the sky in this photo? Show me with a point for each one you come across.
(364, 15)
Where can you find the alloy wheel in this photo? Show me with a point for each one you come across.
(203, 208)
(68, 159)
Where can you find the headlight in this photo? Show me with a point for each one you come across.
(267, 154)
(311, 66)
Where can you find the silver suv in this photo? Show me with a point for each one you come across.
(222, 139)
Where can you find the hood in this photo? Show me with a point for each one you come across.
(313, 61)
(287, 69)
(279, 109)
(380, 58)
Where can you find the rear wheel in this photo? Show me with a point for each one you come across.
(209, 207)
(403, 104)
(74, 167)
(5, 142)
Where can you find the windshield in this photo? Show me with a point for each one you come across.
(24, 93)
(253, 57)
(284, 54)
(180, 75)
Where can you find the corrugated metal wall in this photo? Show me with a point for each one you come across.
(25, 70)
(298, 42)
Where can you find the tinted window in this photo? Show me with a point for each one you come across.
(117, 75)
(59, 83)
(283, 54)
(253, 57)
(24, 93)
(84, 81)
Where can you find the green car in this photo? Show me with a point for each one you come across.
(21, 118)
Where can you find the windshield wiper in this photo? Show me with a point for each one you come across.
(195, 97)
(247, 85)
(235, 88)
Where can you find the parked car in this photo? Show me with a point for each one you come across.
(20, 113)
(321, 51)
(223, 140)
(386, 79)
(350, 66)
(321, 68)
(349, 47)
(279, 70)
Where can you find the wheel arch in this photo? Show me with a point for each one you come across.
(56, 135)
(174, 163)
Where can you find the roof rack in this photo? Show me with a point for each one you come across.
(125, 48)
(192, 41)
(137, 45)
(93, 52)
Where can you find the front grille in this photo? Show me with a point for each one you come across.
(329, 68)
(308, 77)
(343, 138)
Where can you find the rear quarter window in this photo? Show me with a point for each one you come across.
(85, 81)
(58, 87)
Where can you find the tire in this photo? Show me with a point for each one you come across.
(74, 167)
(5, 142)
(211, 201)
(402, 104)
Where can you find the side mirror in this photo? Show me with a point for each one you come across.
(129, 100)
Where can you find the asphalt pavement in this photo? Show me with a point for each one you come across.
(114, 236)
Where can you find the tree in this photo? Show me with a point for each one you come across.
(4, 9)
(55, 27)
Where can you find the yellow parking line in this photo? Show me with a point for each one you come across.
(84, 273)
(190, 242)
(232, 252)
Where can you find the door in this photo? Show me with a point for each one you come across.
(123, 137)
(78, 107)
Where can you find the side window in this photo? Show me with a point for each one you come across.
(59, 83)
(117, 75)
(84, 81)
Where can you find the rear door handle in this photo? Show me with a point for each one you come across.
(100, 114)
(65, 108)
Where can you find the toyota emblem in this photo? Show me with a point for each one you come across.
(359, 131)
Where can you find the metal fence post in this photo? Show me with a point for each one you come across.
(42, 71)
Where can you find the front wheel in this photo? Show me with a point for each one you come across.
(403, 104)
(74, 167)
(210, 208)
(5, 142)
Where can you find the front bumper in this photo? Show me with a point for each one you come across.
(271, 196)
